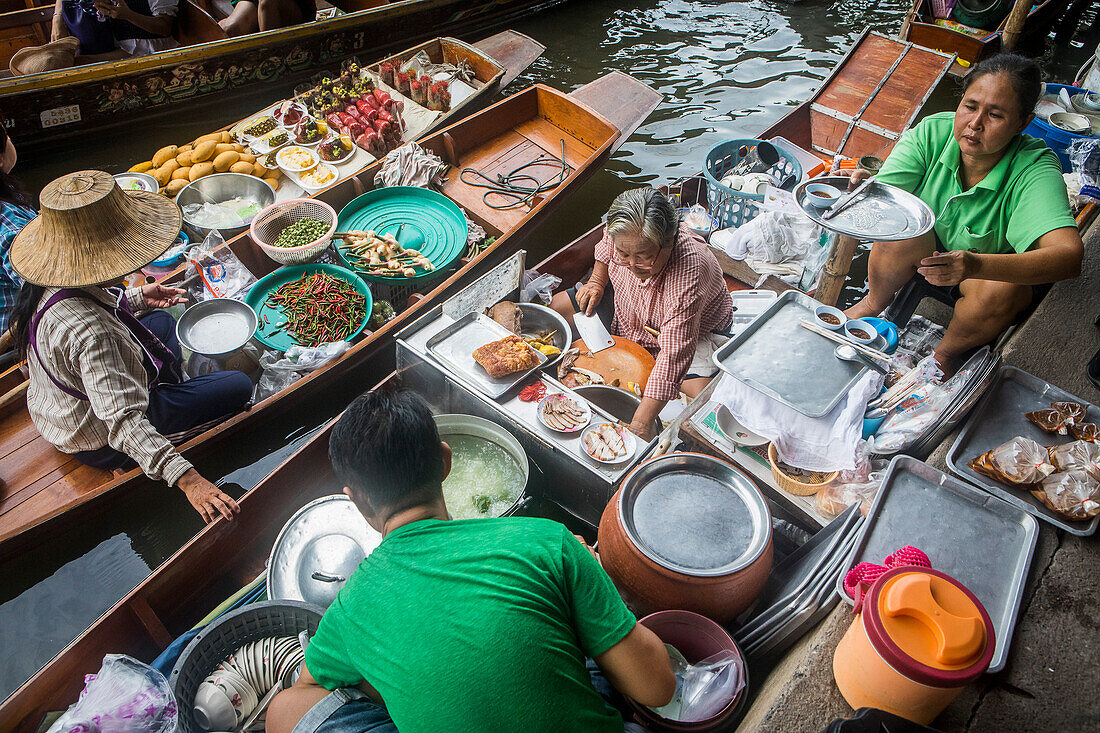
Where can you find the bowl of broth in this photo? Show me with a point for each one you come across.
(489, 468)
(821, 195)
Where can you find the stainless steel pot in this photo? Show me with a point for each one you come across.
(617, 401)
(478, 427)
(217, 330)
(218, 188)
(540, 318)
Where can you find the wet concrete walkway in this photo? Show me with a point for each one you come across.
(1051, 681)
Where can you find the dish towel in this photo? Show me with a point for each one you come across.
(814, 444)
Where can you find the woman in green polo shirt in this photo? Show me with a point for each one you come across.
(1003, 221)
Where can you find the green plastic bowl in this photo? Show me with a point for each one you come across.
(257, 298)
(419, 218)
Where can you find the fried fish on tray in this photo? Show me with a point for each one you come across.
(507, 356)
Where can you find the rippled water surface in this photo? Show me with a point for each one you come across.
(726, 69)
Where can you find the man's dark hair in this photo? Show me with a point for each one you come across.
(386, 448)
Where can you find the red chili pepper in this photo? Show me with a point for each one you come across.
(533, 392)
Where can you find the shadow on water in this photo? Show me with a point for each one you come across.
(726, 69)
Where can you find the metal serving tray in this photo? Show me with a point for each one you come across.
(881, 213)
(455, 346)
(998, 419)
(984, 543)
(793, 365)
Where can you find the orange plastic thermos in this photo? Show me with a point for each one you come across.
(919, 637)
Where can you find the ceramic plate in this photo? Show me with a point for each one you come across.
(628, 442)
(579, 403)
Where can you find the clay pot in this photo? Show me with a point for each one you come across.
(687, 531)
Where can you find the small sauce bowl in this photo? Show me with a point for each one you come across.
(860, 331)
(821, 195)
(830, 317)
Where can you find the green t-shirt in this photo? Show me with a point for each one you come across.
(1020, 200)
(476, 625)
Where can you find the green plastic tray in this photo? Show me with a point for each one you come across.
(432, 222)
(257, 298)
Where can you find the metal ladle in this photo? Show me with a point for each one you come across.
(847, 353)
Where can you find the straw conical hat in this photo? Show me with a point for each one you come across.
(57, 54)
(91, 232)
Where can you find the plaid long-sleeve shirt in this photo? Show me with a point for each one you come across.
(685, 300)
(90, 351)
(12, 220)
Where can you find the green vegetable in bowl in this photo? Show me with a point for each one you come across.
(380, 315)
(302, 232)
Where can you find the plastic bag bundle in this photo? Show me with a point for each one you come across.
(538, 287)
(125, 696)
(280, 371)
(221, 274)
(1020, 462)
(1084, 157)
(860, 485)
(703, 688)
(1060, 418)
(1073, 494)
(1080, 455)
(772, 237)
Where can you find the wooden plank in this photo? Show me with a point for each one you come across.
(902, 95)
(52, 495)
(853, 82)
(28, 463)
(622, 99)
(512, 50)
(549, 138)
(15, 432)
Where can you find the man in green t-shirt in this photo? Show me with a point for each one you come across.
(1003, 221)
(471, 625)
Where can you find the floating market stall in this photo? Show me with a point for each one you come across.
(557, 138)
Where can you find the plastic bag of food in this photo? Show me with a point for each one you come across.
(1073, 494)
(282, 370)
(703, 688)
(538, 287)
(1082, 455)
(1020, 462)
(698, 220)
(221, 274)
(1084, 157)
(1060, 418)
(125, 696)
(850, 487)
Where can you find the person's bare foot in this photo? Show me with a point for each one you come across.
(864, 308)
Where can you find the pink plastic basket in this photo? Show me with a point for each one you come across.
(269, 223)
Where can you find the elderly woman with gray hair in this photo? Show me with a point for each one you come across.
(664, 290)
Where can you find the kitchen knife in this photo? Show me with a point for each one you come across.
(594, 333)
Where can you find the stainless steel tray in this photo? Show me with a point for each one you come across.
(1000, 418)
(454, 346)
(795, 366)
(982, 542)
(881, 213)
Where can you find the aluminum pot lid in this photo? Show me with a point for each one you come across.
(317, 551)
(695, 515)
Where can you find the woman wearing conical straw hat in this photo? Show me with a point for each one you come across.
(105, 386)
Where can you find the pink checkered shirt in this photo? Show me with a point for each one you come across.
(684, 301)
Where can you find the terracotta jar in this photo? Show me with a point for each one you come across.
(919, 638)
(687, 531)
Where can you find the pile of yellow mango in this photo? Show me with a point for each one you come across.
(175, 166)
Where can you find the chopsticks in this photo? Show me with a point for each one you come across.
(901, 387)
(837, 338)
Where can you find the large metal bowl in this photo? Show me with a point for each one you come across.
(449, 425)
(538, 318)
(222, 187)
(217, 327)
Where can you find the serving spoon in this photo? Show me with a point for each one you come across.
(847, 353)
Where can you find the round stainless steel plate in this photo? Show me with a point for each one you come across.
(694, 514)
(216, 327)
(317, 551)
(882, 213)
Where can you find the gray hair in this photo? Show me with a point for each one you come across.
(645, 212)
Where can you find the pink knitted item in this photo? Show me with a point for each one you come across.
(860, 578)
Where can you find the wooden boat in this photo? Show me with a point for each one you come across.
(920, 28)
(39, 483)
(213, 70)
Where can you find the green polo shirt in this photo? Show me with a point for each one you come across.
(1020, 200)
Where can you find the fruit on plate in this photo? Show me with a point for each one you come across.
(335, 148)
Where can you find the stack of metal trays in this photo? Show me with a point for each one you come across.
(800, 591)
(983, 367)
(982, 542)
(1000, 418)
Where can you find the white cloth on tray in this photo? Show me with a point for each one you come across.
(815, 444)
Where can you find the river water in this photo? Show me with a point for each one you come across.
(726, 70)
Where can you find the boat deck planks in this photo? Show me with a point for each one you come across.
(620, 109)
(515, 50)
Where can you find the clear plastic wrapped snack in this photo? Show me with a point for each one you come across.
(1073, 494)
(1019, 462)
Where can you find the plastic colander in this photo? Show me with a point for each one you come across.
(269, 224)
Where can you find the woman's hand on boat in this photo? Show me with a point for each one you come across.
(208, 500)
(948, 268)
(161, 296)
(589, 296)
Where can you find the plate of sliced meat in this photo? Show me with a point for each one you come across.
(608, 443)
(564, 414)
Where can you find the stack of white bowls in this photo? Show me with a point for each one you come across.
(233, 690)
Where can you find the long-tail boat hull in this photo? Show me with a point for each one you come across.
(43, 108)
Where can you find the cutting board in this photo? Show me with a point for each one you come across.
(626, 361)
